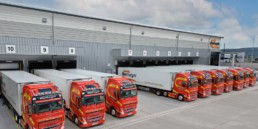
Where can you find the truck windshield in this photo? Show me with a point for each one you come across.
(207, 81)
(230, 78)
(88, 100)
(219, 80)
(47, 106)
(128, 93)
(193, 84)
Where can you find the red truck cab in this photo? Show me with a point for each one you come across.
(228, 80)
(217, 82)
(42, 107)
(204, 83)
(87, 106)
(252, 79)
(185, 87)
(238, 79)
(121, 97)
(246, 76)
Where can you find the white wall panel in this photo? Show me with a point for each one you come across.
(90, 24)
(24, 15)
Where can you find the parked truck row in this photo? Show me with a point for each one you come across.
(187, 82)
(43, 99)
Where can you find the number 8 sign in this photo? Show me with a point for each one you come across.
(71, 50)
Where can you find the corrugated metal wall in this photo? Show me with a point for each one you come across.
(25, 29)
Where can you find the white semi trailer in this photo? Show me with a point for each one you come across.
(172, 83)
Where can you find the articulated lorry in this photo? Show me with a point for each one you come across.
(238, 79)
(36, 102)
(175, 84)
(252, 76)
(228, 79)
(204, 78)
(246, 76)
(84, 99)
(120, 92)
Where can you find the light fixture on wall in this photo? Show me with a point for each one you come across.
(104, 28)
(44, 20)
(177, 36)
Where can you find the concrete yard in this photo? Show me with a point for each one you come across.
(234, 110)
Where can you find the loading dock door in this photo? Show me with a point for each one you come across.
(40, 65)
(214, 58)
(11, 65)
(66, 64)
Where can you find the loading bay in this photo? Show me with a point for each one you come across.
(234, 110)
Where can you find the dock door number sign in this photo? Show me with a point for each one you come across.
(10, 49)
(71, 50)
(44, 50)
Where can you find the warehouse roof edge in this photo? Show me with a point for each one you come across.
(103, 19)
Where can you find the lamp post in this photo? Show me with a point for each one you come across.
(253, 50)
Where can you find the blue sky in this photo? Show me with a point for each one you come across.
(236, 20)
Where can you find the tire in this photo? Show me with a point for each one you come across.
(180, 97)
(76, 121)
(16, 118)
(113, 112)
(165, 93)
(158, 92)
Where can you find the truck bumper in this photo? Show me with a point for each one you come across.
(228, 88)
(92, 124)
(204, 94)
(125, 115)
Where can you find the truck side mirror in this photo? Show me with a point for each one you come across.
(78, 102)
(29, 109)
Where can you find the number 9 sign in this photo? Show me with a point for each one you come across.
(44, 50)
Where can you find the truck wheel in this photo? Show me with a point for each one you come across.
(165, 93)
(158, 92)
(113, 112)
(16, 118)
(180, 97)
(76, 121)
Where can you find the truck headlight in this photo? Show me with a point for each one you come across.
(122, 111)
(84, 121)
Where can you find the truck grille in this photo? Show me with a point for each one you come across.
(50, 124)
(194, 95)
(94, 119)
(208, 92)
(129, 110)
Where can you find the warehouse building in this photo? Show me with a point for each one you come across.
(29, 35)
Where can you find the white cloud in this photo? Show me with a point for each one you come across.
(192, 15)
(173, 13)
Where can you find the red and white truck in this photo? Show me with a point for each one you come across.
(84, 99)
(238, 79)
(228, 79)
(36, 102)
(204, 78)
(252, 76)
(246, 76)
(172, 83)
(120, 92)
